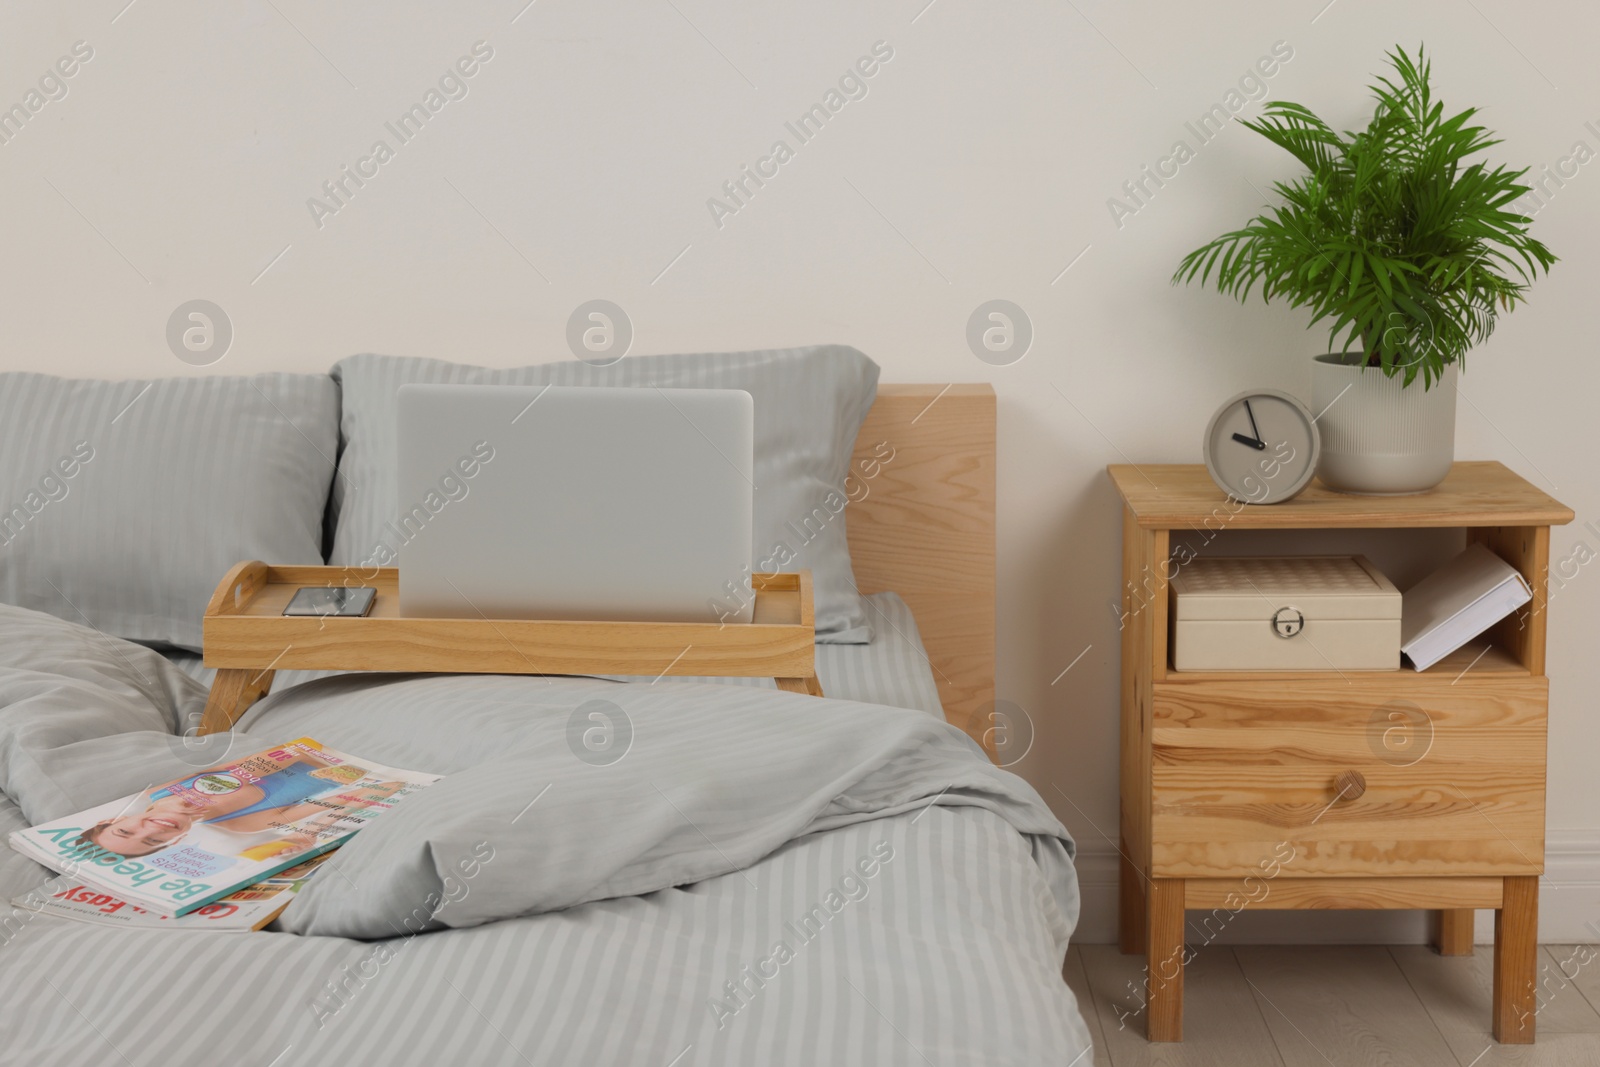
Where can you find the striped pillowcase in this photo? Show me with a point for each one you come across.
(122, 504)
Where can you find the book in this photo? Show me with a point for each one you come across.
(243, 910)
(177, 847)
(1456, 603)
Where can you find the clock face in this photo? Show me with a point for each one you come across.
(1262, 446)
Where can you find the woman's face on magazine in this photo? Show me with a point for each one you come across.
(157, 826)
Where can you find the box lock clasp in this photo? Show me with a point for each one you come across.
(1287, 622)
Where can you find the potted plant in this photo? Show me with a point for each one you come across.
(1406, 249)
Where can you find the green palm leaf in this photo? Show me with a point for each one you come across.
(1405, 247)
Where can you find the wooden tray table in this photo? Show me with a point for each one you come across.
(247, 638)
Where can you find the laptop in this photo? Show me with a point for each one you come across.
(575, 502)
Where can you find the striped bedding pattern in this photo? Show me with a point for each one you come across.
(931, 936)
(122, 503)
(953, 956)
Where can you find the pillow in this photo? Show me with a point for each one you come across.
(122, 504)
(809, 406)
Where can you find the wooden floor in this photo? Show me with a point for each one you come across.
(1349, 1006)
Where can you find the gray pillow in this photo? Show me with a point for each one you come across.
(122, 504)
(809, 404)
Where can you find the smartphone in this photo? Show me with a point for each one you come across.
(332, 602)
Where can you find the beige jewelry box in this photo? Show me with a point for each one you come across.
(1284, 613)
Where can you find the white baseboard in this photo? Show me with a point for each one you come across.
(1569, 905)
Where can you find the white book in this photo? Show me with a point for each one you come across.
(1456, 603)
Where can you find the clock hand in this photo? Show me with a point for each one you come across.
(1253, 427)
(1259, 446)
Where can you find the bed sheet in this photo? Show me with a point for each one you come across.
(932, 932)
(948, 957)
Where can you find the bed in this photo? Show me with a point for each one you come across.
(764, 877)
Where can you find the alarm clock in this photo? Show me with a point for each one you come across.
(1261, 447)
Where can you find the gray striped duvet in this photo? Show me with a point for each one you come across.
(904, 923)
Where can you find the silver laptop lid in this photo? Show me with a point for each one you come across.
(575, 502)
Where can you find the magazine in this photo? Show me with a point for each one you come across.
(243, 910)
(174, 848)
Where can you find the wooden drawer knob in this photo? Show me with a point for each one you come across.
(1351, 784)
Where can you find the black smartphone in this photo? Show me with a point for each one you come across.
(332, 602)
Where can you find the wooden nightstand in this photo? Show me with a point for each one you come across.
(1389, 789)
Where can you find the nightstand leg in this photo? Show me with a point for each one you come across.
(1451, 931)
(1130, 906)
(1164, 960)
(1516, 947)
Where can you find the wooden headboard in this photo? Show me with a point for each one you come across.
(924, 528)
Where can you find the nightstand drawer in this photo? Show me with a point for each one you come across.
(1450, 777)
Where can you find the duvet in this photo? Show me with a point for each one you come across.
(609, 873)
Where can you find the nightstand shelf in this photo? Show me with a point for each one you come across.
(1472, 658)
(1333, 789)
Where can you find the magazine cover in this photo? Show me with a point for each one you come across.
(179, 846)
(243, 910)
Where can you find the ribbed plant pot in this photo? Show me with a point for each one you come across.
(1379, 437)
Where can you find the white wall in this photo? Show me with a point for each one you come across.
(978, 166)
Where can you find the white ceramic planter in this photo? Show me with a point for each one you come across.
(1378, 437)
